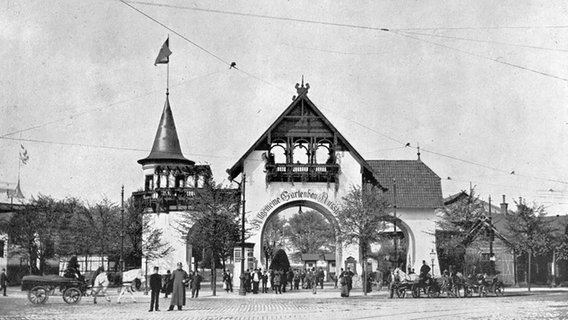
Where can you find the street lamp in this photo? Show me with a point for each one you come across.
(433, 257)
(242, 289)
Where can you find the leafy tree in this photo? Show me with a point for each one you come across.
(530, 233)
(215, 217)
(35, 231)
(275, 229)
(456, 220)
(280, 261)
(310, 232)
(360, 219)
(274, 233)
(103, 226)
(562, 245)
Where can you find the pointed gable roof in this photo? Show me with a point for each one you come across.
(166, 146)
(293, 123)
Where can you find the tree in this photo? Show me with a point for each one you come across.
(360, 218)
(215, 217)
(456, 221)
(35, 231)
(280, 261)
(310, 232)
(273, 236)
(530, 233)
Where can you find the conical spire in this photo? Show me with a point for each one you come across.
(166, 143)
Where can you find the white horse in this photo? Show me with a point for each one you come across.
(128, 282)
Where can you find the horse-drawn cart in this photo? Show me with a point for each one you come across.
(41, 287)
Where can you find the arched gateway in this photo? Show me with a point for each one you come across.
(302, 160)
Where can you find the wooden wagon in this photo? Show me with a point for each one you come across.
(41, 287)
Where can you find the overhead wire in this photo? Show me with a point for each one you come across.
(402, 34)
(485, 41)
(350, 26)
(346, 25)
(261, 16)
(224, 61)
(335, 51)
(85, 112)
(102, 146)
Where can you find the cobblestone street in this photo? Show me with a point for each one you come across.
(516, 304)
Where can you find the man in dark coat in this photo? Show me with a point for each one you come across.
(424, 269)
(179, 277)
(3, 281)
(321, 277)
(155, 286)
(196, 284)
(291, 279)
(168, 285)
(248, 281)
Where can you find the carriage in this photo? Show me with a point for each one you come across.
(41, 287)
(480, 286)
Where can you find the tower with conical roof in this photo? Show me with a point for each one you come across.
(169, 177)
(170, 182)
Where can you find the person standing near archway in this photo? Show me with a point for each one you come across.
(179, 277)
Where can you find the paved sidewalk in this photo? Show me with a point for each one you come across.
(541, 303)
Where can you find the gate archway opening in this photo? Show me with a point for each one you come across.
(396, 247)
(291, 235)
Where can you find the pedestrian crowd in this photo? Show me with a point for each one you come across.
(278, 281)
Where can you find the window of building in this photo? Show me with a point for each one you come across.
(2, 244)
(149, 184)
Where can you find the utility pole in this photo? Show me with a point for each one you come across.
(121, 262)
(491, 236)
(242, 289)
(395, 236)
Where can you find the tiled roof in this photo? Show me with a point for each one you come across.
(310, 256)
(417, 186)
(329, 257)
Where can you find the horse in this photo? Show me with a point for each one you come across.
(130, 283)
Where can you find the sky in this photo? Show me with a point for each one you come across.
(480, 86)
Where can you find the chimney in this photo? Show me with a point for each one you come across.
(504, 206)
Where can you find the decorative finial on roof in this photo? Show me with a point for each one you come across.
(418, 148)
(303, 89)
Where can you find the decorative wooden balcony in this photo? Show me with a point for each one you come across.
(177, 199)
(282, 172)
(166, 199)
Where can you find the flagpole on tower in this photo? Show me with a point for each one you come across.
(168, 71)
(164, 58)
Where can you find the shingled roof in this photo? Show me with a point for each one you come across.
(417, 186)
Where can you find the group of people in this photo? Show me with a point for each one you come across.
(278, 280)
(174, 284)
(346, 281)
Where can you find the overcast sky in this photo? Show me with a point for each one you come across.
(480, 85)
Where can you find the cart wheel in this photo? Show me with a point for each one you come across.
(415, 291)
(401, 292)
(433, 293)
(72, 295)
(499, 291)
(482, 291)
(461, 291)
(38, 295)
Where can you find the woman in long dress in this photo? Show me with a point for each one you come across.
(179, 277)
